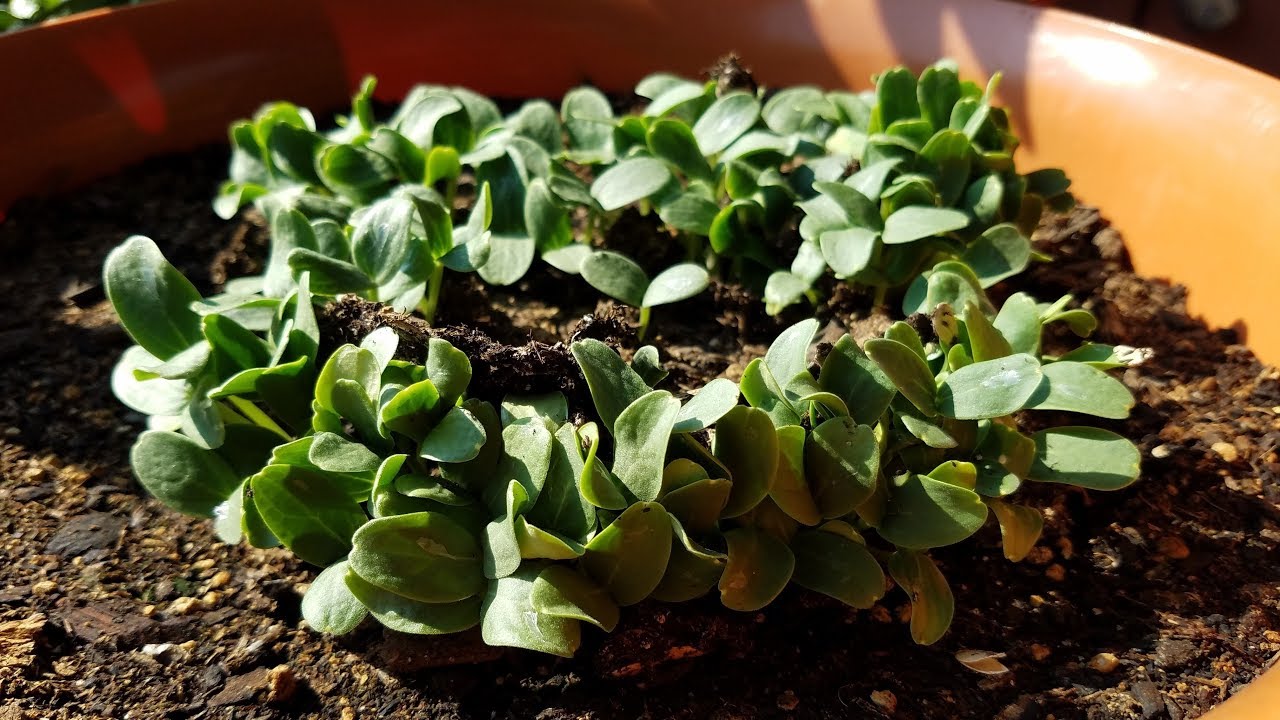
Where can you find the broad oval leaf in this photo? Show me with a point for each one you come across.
(641, 434)
(182, 474)
(842, 461)
(1079, 387)
(706, 407)
(848, 251)
(834, 565)
(926, 513)
(425, 556)
(676, 283)
(329, 606)
(726, 120)
(152, 299)
(790, 488)
(456, 439)
(759, 567)
(1020, 528)
(848, 373)
(510, 619)
(629, 557)
(672, 141)
(614, 385)
(1000, 252)
(916, 222)
(1086, 457)
(629, 181)
(617, 276)
(747, 444)
(310, 513)
(989, 389)
(411, 616)
(561, 592)
(932, 604)
(908, 371)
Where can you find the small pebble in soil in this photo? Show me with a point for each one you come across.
(1040, 653)
(221, 578)
(1227, 451)
(788, 701)
(1161, 452)
(44, 587)
(182, 606)
(1056, 572)
(348, 714)
(1174, 547)
(886, 700)
(281, 684)
(1104, 662)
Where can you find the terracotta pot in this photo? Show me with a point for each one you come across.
(1179, 147)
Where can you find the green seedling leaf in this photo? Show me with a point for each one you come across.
(950, 282)
(1086, 457)
(560, 506)
(567, 259)
(908, 372)
(152, 396)
(1048, 182)
(563, 593)
(706, 407)
(536, 543)
(1082, 388)
(683, 99)
(598, 486)
(352, 364)
(646, 363)
(831, 563)
(790, 489)
(870, 179)
(538, 121)
(510, 619)
(429, 487)
(414, 410)
(689, 212)
(673, 141)
(152, 298)
(614, 385)
(841, 461)
(932, 604)
(849, 251)
(457, 439)
(914, 222)
(853, 207)
(547, 222)
(784, 112)
(747, 443)
(419, 120)
(903, 332)
(952, 156)
(629, 557)
(477, 472)
(329, 276)
(310, 513)
(924, 512)
(788, 355)
(500, 542)
(989, 389)
(759, 567)
(641, 434)
(629, 181)
(853, 377)
(333, 453)
(726, 120)
(182, 474)
(588, 122)
(682, 472)
(784, 289)
(955, 472)
(929, 433)
(415, 617)
(290, 230)
(676, 283)
(357, 173)
(1019, 323)
(1000, 252)
(698, 505)
(692, 570)
(985, 341)
(329, 606)
(1020, 528)
(896, 96)
(527, 456)
(549, 406)
(617, 276)
(938, 91)
(423, 556)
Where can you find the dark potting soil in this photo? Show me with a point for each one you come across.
(1158, 601)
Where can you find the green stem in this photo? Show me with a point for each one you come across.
(644, 324)
(429, 304)
(881, 292)
(259, 418)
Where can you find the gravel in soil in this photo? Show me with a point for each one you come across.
(1155, 602)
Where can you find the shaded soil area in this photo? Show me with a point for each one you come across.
(1154, 602)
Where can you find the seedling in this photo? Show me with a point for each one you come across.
(620, 278)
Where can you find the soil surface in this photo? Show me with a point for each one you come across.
(1158, 601)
